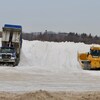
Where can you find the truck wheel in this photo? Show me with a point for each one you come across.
(16, 62)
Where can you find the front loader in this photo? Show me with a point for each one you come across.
(91, 59)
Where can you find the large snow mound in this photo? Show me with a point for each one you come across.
(51, 55)
(55, 56)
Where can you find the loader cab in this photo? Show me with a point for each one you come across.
(95, 51)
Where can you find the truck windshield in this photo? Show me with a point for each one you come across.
(95, 52)
(6, 50)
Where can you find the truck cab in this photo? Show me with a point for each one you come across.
(7, 54)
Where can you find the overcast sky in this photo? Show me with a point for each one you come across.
(52, 15)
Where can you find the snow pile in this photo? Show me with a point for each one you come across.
(51, 55)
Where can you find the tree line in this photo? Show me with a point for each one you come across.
(61, 37)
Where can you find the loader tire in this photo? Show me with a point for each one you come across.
(87, 66)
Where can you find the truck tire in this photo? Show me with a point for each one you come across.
(16, 62)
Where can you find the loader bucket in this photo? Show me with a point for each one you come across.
(83, 56)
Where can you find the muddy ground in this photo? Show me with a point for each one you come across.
(44, 95)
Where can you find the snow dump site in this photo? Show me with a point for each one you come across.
(49, 66)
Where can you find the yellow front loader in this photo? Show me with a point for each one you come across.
(91, 59)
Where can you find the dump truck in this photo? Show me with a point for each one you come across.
(91, 59)
(11, 44)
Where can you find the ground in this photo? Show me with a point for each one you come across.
(44, 95)
(52, 67)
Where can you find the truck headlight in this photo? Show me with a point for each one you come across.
(0, 57)
(13, 57)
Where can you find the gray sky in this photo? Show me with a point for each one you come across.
(52, 15)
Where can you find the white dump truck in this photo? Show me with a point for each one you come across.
(11, 44)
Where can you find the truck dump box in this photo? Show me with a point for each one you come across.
(12, 33)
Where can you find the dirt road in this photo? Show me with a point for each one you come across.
(44, 95)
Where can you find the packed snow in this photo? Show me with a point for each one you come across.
(50, 55)
(49, 66)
